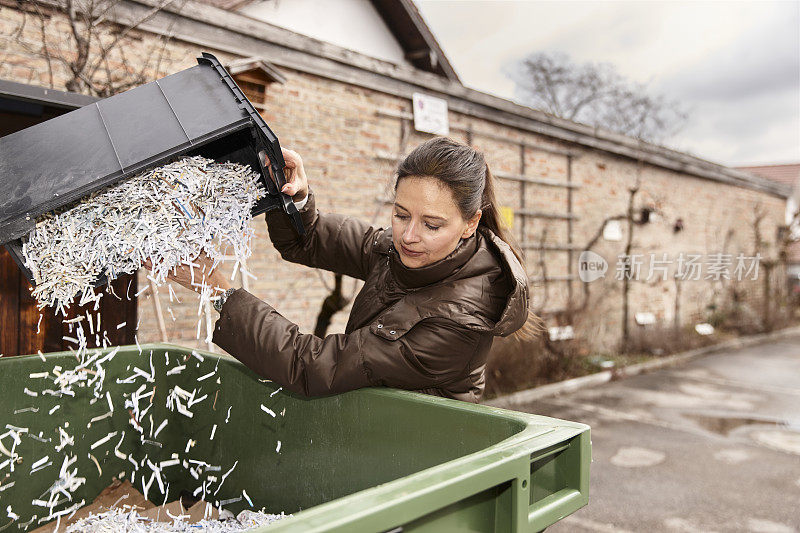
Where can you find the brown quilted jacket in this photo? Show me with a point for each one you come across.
(426, 329)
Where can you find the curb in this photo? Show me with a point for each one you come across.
(592, 380)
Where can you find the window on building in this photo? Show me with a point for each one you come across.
(254, 91)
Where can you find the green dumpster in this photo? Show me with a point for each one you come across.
(368, 460)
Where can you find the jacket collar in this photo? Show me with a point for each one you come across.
(412, 278)
(514, 312)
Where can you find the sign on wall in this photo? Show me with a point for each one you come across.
(644, 319)
(561, 333)
(430, 114)
(507, 216)
(612, 231)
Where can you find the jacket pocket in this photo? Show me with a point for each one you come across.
(396, 321)
(385, 330)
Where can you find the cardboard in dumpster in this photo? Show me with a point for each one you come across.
(192, 515)
(121, 494)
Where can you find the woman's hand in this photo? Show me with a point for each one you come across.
(182, 274)
(296, 181)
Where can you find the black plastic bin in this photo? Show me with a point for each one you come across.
(198, 111)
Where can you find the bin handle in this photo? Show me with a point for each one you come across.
(268, 138)
(551, 508)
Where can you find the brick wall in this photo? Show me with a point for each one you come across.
(339, 132)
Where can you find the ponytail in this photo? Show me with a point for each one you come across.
(490, 217)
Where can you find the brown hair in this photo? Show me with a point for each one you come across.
(466, 173)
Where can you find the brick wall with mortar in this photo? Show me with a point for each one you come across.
(337, 129)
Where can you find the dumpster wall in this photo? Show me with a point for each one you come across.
(424, 462)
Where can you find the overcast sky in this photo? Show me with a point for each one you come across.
(734, 65)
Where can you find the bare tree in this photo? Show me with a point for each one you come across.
(332, 304)
(94, 53)
(595, 94)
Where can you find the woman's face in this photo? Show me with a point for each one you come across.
(426, 222)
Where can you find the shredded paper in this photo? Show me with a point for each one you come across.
(117, 520)
(167, 215)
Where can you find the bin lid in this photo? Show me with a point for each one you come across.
(66, 158)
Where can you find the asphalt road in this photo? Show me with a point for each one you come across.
(710, 445)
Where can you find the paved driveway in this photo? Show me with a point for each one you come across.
(711, 445)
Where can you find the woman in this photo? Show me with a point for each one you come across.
(439, 285)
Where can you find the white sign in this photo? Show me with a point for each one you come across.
(645, 318)
(561, 333)
(704, 329)
(430, 114)
(612, 231)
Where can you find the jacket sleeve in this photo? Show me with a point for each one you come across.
(338, 243)
(432, 353)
